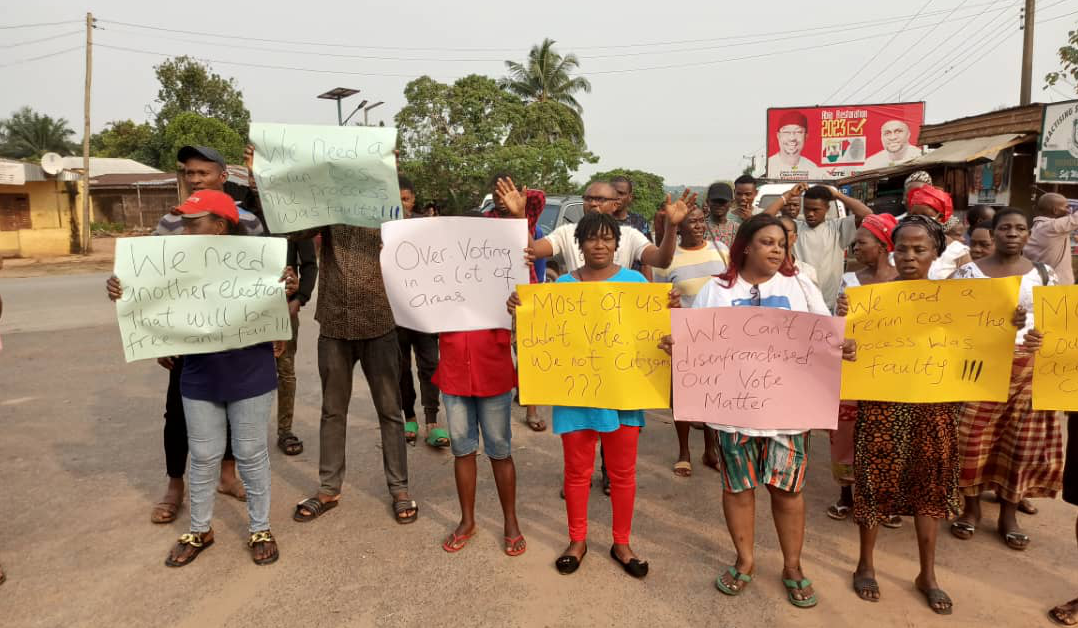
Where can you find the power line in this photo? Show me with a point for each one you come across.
(928, 55)
(39, 57)
(971, 64)
(37, 41)
(39, 24)
(879, 51)
(801, 30)
(906, 50)
(940, 72)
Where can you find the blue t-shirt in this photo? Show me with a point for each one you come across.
(571, 419)
(231, 375)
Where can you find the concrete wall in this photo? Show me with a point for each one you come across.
(50, 219)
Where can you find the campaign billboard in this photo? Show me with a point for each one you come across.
(823, 143)
(1057, 159)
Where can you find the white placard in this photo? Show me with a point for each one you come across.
(12, 173)
(453, 273)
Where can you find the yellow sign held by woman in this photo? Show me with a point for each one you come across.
(1055, 367)
(593, 344)
(931, 341)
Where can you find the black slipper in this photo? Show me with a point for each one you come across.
(567, 564)
(635, 567)
(315, 508)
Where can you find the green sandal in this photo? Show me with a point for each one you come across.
(437, 437)
(411, 431)
(737, 576)
(794, 585)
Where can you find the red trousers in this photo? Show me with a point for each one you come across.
(619, 451)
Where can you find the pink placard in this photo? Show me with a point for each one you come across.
(757, 367)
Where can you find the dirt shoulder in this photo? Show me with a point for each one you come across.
(100, 260)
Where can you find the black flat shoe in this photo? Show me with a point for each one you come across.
(635, 567)
(568, 564)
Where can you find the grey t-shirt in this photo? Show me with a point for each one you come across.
(824, 248)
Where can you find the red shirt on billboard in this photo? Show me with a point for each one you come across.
(821, 143)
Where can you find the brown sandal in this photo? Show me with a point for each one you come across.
(197, 541)
(262, 539)
(164, 512)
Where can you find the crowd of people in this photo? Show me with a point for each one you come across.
(928, 461)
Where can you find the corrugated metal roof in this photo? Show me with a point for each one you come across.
(950, 153)
(1021, 119)
(108, 165)
(150, 179)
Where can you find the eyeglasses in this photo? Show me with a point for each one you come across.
(600, 199)
(754, 295)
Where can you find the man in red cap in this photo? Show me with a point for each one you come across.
(787, 162)
(895, 137)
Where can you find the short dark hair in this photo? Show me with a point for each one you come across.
(745, 179)
(819, 193)
(984, 224)
(1008, 211)
(595, 223)
(404, 183)
(787, 221)
(499, 175)
(976, 213)
(622, 179)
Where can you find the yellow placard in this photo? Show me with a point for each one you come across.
(593, 344)
(931, 341)
(1055, 374)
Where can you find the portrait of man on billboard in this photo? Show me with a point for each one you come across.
(787, 162)
(895, 137)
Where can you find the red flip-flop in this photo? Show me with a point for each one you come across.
(454, 543)
(511, 543)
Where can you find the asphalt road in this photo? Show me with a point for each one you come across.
(82, 464)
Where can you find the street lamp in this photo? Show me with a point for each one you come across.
(339, 94)
(367, 109)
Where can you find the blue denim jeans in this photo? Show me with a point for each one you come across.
(206, 438)
(467, 416)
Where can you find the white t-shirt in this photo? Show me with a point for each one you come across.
(1025, 290)
(946, 264)
(796, 293)
(630, 247)
(824, 247)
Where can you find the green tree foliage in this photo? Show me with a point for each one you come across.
(1068, 61)
(648, 192)
(127, 139)
(188, 85)
(546, 76)
(29, 135)
(453, 137)
(190, 128)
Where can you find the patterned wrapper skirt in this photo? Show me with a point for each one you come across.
(905, 461)
(1007, 446)
(842, 443)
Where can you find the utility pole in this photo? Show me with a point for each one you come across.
(87, 240)
(1027, 53)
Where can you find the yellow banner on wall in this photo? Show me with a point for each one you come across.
(1055, 374)
(931, 341)
(593, 344)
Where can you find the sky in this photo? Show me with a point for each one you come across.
(679, 89)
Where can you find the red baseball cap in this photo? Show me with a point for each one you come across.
(206, 202)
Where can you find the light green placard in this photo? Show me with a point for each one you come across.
(311, 176)
(188, 294)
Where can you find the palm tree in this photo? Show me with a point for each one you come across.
(545, 76)
(29, 135)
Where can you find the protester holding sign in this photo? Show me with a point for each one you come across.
(477, 377)
(906, 458)
(761, 274)
(696, 261)
(599, 237)
(425, 346)
(872, 246)
(981, 243)
(1009, 447)
(233, 387)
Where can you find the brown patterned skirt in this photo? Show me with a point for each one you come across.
(1008, 446)
(905, 461)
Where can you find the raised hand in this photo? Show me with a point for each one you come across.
(1019, 319)
(508, 196)
(842, 306)
(667, 344)
(673, 299)
(676, 211)
(1033, 340)
(849, 350)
